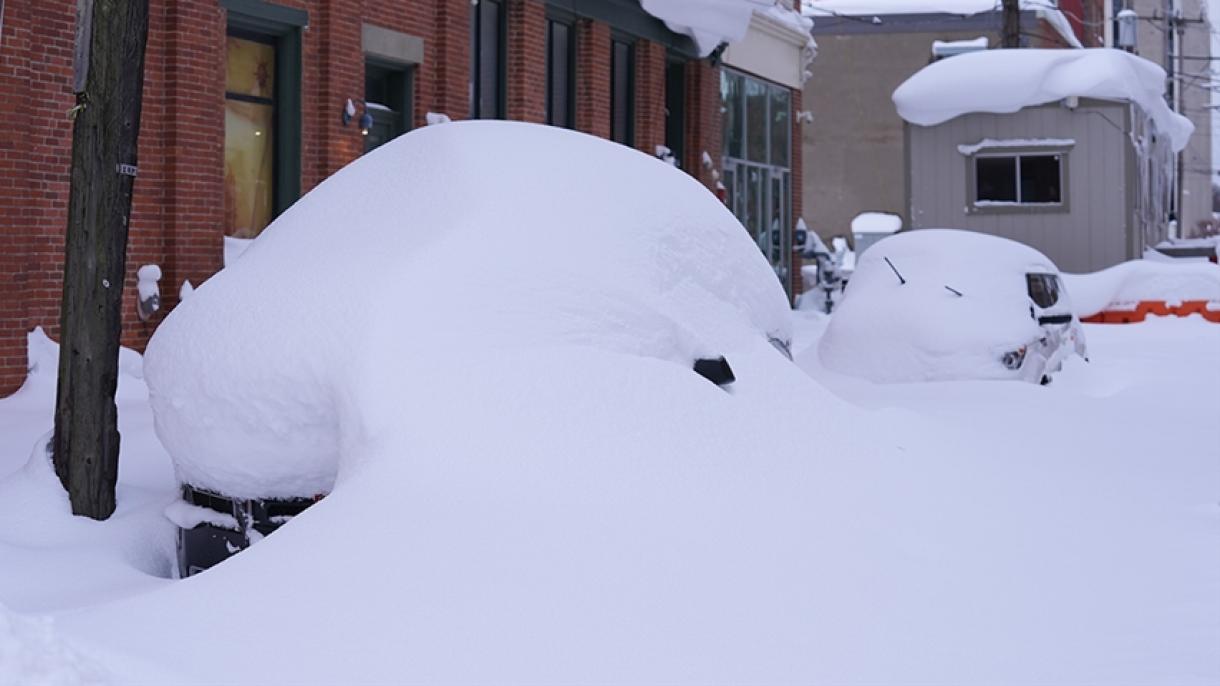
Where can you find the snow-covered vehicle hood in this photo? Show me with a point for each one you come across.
(940, 304)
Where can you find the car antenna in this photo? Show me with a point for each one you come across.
(954, 291)
(901, 280)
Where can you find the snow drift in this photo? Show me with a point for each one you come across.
(1125, 285)
(493, 372)
(967, 83)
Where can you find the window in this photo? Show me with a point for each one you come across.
(622, 92)
(675, 109)
(387, 97)
(262, 135)
(1026, 179)
(560, 74)
(487, 60)
(757, 120)
(250, 134)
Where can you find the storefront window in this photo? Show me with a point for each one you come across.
(249, 136)
(757, 159)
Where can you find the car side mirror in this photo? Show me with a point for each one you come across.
(716, 370)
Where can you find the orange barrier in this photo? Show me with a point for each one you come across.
(1156, 308)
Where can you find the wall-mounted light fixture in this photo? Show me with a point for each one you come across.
(149, 292)
(366, 121)
(349, 111)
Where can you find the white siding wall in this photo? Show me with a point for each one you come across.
(1093, 231)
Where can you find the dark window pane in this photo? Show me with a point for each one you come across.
(621, 101)
(1043, 289)
(781, 126)
(756, 121)
(559, 74)
(675, 109)
(1040, 179)
(489, 50)
(385, 97)
(731, 104)
(996, 179)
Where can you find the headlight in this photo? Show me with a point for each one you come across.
(1014, 359)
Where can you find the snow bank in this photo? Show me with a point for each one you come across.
(887, 331)
(967, 83)
(32, 655)
(1122, 286)
(250, 377)
(535, 478)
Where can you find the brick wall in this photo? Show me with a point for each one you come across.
(593, 77)
(797, 285)
(649, 96)
(35, 151)
(526, 68)
(703, 130)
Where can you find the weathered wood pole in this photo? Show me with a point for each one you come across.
(1011, 35)
(111, 36)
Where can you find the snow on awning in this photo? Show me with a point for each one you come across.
(967, 83)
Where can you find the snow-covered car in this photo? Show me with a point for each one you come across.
(359, 311)
(941, 304)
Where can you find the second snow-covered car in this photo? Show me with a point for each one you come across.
(942, 304)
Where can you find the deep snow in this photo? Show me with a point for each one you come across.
(981, 532)
(534, 487)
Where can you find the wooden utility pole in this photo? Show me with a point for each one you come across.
(110, 40)
(1011, 36)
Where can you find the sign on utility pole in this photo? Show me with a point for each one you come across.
(109, 82)
(1011, 35)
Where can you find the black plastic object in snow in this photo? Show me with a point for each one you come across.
(206, 544)
(716, 370)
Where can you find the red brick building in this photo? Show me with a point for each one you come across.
(245, 108)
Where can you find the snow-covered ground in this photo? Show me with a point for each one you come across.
(537, 488)
(1018, 534)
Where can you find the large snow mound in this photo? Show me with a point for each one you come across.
(885, 330)
(530, 482)
(249, 378)
(1124, 285)
(967, 83)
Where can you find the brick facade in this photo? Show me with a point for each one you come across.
(178, 208)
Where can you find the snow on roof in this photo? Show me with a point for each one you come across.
(712, 22)
(876, 222)
(948, 48)
(967, 83)
(1045, 9)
